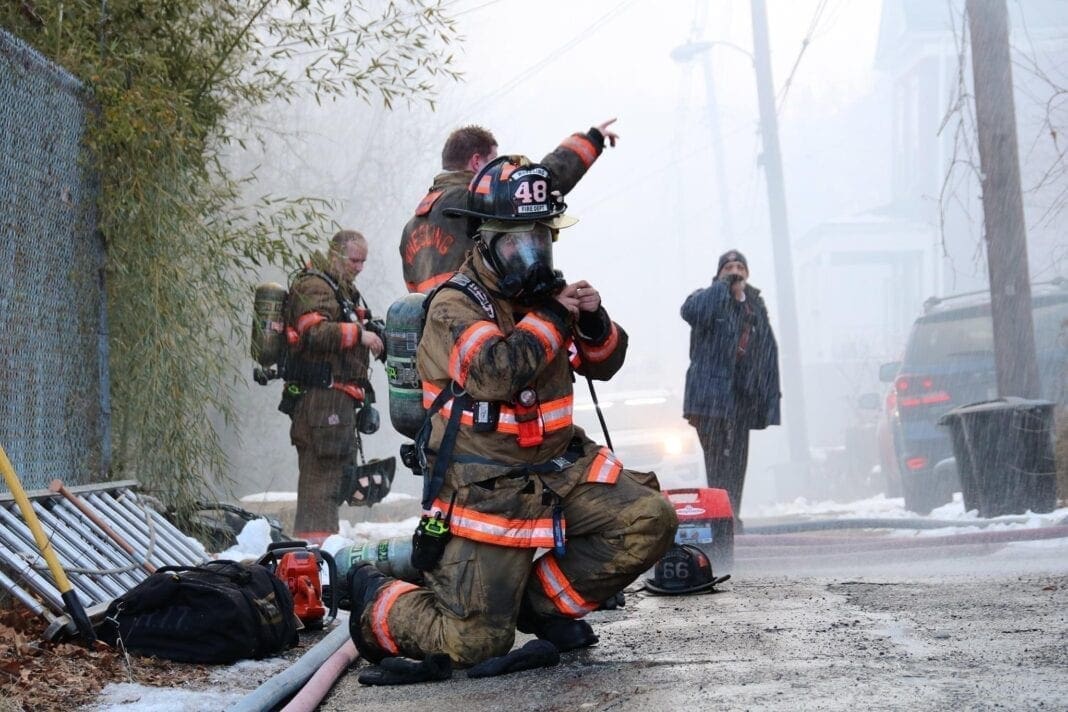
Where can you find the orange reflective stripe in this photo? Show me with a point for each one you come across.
(350, 389)
(544, 331)
(428, 202)
(559, 590)
(495, 529)
(350, 335)
(605, 468)
(307, 321)
(483, 187)
(427, 284)
(468, 346)
(380, 613)
(600, 353)
(582, 146)
(556, 414)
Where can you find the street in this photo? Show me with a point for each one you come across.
(985, 628)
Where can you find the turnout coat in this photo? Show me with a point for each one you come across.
(492, 360)
(718, 383)
(433, 245)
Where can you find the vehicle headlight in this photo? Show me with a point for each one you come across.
(672, 443)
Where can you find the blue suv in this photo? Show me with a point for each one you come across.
(949, 361)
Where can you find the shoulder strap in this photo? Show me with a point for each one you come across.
(475, 291)
(345, 304)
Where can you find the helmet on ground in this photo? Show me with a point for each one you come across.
(683, 569)
(512, 189)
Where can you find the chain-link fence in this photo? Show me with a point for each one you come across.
(53, 338)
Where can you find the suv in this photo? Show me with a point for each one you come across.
(949, 361)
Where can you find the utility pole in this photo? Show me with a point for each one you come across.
(790, 353)
(688, 53)
(1006, 235)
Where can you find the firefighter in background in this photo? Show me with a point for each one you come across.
(434, 244)
(497, 362)
(327, 378)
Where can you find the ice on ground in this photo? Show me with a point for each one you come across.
(882, 507)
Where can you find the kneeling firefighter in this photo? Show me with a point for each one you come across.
(505, 470)
(327, 392)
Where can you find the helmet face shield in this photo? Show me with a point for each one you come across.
(523, 259)
(515, 252)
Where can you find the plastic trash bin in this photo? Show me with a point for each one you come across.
(1004, 453)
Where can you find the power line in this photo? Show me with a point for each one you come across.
(812, 27)
(552, 56)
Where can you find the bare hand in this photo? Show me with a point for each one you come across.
(584, 296)
(609, 136)
(569, 299)
(371, 341)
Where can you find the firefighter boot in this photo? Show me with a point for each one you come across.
(565, 633)
(363, 583)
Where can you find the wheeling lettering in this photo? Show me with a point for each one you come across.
(424, 237)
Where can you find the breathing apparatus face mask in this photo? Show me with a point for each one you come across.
(523, 260)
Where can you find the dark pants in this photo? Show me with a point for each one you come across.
(726, 445)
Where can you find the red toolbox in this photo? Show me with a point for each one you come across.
(706, 520)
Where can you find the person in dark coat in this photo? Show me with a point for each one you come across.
(732, 384)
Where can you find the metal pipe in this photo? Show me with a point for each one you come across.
(42, 586)
(92, 516)
(114, 562)
(70, 598)
(124, 520)
(156, 526)
(61, 539)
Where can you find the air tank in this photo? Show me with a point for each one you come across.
(268, 323)
(393, 557)
(404, 326)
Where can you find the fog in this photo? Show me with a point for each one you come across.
(868, 141)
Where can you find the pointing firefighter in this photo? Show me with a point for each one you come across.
(327, 392)
(434, 243)
(506, 471)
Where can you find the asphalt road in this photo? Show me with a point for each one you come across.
(982, 627)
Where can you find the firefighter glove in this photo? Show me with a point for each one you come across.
(535, 654)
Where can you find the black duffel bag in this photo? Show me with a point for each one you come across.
(218, 612)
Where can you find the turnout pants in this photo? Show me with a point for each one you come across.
(324, 433)
(469, 606)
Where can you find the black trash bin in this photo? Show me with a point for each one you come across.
(1004, 453)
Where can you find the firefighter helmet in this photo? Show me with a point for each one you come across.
(683, 569)
(512, 189)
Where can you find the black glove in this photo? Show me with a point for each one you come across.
(612, 603)
(535, 654)
(405, 671)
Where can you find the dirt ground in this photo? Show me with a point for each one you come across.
(980, 631)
